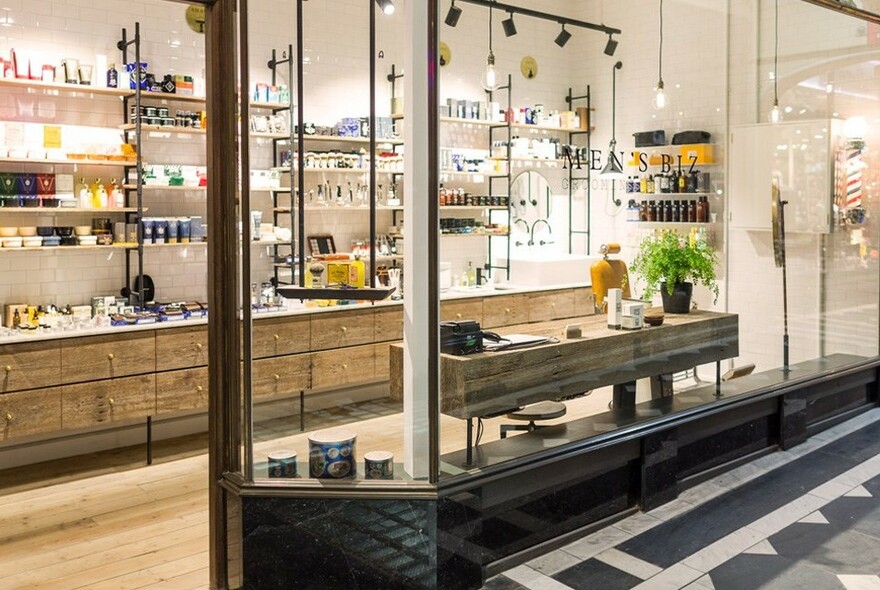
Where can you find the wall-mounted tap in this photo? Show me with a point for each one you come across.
(526, 225)
(532, 231)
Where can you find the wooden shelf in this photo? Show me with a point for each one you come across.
(170, 96)
(471, 207)
(65, 162)
(357, 140)
(265, 135)
(156, 187)
(673, 223)
(364, 293)
(269, 106)
(484, 123)
(124, 246)
(63, 210)
(67, 88)
(167, 129)
(526, 159)
(334, 208)
(339, 171)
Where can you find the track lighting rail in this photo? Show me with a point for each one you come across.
(562, 20)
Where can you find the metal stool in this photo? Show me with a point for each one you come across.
(534, 412)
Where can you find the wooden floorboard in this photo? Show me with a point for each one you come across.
(107, 521)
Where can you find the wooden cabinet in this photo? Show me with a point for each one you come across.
(383, 360)
(105, 357)
(466, 309)
(339, 368)
(178, 391)
(584, 302)
(344, 328)
(278, 336)
(281, 376)
(551, 305)
(389, 323)
(30, 412)
(30, 365)
(111, 400)
(181, 348)
(505, 310)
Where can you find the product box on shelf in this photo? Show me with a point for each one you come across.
(349, 127)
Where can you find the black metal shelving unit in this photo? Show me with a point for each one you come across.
(495, 179)
(281, 259)
(136, 297)
(574, 176)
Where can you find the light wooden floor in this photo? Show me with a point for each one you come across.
(109, 522)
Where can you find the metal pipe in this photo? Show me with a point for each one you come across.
(562, 20)
(372, 143)
(299, 195)
(433, 32)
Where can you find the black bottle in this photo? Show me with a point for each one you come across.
(676, 211)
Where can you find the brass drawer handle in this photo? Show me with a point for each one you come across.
(111, 356)
(9, 417)
(8, 368)
(277, 377)
(111, 401)
(199, 388)
(344, 367)
(458, 316)
(553, 305)
(277, 337)
(344, 329)
(507, 310)
(199, 346)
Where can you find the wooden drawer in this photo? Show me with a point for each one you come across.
(104, 402)
(280, 336)
(383, 360)
(30, 365)
(506, 310)
(30, 412)
(181, 348)
(343, 328)
(551, 305)
(466, 309)
(389, 324)
(338, 368)
(584, 302)
(105, 357)
(280, 376)
(177, 391)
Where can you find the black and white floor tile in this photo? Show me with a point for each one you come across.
(808, 518)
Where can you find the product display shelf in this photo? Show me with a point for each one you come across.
(526, 159)
(165, 129)
(461, 208)
(169, 96)
(63, 162)
(267, 135)
(500, 124)
(674, 224)
(269, 106)
(337, 171)
(360, 208)
(668, 196)
(120, 246)
(476, 235)
(157, 187)
(64, 210)
(356, 140)
(68, 88)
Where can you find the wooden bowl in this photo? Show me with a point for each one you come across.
(653, 320)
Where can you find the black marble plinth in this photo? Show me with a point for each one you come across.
(659, 468)
(336, 544)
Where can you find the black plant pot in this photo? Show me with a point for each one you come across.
(680, 300)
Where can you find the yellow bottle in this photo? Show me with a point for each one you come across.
(96, 189)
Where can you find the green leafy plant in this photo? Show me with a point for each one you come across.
(670, 257)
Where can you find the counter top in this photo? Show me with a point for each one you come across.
(295, 310)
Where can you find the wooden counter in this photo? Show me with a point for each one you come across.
(494, 382)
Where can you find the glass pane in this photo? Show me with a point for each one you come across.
(321, 366)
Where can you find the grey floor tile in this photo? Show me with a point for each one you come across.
(596, 542)
(628, 563)
(534, 580)
(860, 582)
(553, 562)
(839, 552)
(673, 578)
(771, 572)
(593, 574)
(502, 582)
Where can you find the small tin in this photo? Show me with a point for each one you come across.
(379, 465)
(282, 463)
(332, 454)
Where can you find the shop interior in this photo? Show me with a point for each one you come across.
(705, 103)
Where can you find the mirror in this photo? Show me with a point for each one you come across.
(529, 197)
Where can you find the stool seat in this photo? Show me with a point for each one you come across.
(546, 410)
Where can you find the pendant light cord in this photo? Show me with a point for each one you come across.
(660, 60)
(775, 56)
(490, 28)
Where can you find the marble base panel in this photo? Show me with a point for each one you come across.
(330, 544)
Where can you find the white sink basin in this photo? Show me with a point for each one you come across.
(538, 269)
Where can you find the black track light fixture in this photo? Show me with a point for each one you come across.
(611, 46)
(387, 6)
(563, 37)
(453, 15)
(509, 26)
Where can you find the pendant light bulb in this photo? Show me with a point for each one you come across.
(775, 113)
(660, 99)
(489, 79)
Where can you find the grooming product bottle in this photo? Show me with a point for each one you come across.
(614, 300)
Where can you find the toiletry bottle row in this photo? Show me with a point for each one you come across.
(670, 211)
(450, 197)
(677, 181)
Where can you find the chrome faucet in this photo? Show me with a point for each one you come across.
(532, 231)
(526, 224)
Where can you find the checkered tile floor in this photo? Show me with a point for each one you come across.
(808, 518)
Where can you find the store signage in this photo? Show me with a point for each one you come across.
(577, 159)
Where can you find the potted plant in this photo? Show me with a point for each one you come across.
(672, 263)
